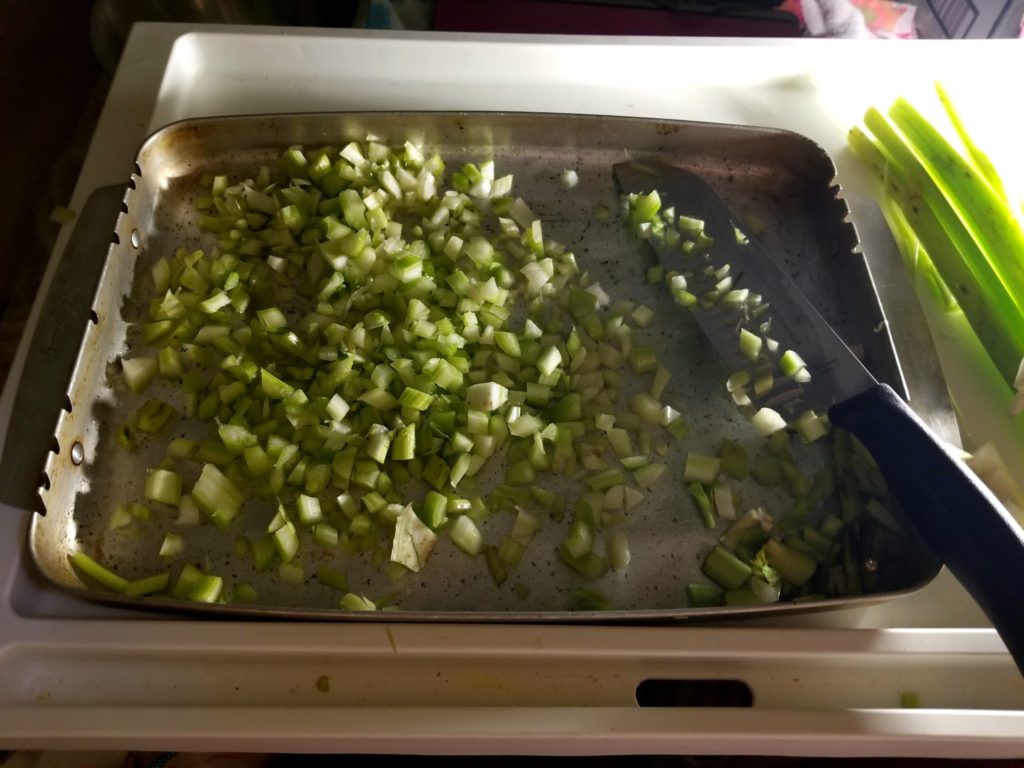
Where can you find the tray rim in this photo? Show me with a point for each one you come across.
(684, 615)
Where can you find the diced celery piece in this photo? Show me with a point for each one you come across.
(164, 486)
(703, 595)
(354, 602)
(139, 372)
(309, 510)
(466, 535)
(726, 569)
(332, 578)
(792, 565)
(121, 517)
(810, 426)
(325, 535)
(768, 421)
(700, 496)
(435, 507)
(617, 546)
(286, 541)
(733, 457)
(750, 344)
(217, 496)
(486, 396)
(172, 546)
(701, 468)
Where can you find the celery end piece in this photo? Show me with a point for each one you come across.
(413, 541)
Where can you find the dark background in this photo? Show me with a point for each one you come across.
(55, 79)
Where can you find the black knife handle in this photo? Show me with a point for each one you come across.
(955, 513)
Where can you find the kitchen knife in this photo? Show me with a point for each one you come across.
(953, 511)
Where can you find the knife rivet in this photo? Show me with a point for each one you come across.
(870, 564)
(136, 238)
(77, 453)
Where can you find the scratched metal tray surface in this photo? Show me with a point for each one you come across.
(780, 183)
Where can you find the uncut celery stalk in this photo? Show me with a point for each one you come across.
(979, 393)
(983, 210)
(980, 158)
(959, 259)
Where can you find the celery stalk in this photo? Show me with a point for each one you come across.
(979, 392)
(956, 243)
(980, 158)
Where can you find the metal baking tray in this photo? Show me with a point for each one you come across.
(782, 183)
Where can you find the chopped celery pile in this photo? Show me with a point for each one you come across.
(758, 560)
(775, 371)
(370, 338)
(376, 357)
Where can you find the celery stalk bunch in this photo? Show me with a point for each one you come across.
(962, 239)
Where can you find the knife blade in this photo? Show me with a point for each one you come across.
(791, 320)
(952, 510)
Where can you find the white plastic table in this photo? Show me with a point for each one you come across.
(79, 675)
